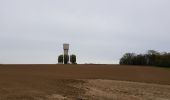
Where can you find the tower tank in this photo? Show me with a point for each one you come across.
(65, 48)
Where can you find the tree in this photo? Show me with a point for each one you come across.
(152, 52)
(66, 59)
(128, 59)
(152, 58)
(60, 59)
(163, 60)
(73, 59)
(139, 60)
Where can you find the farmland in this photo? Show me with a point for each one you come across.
(81, 82)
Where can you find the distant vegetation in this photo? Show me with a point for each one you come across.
(73, 59)
(65, 59)
(60, 59)
(152, 57)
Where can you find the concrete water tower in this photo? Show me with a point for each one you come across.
(66, 48)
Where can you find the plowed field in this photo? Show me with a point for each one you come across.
(77, 82)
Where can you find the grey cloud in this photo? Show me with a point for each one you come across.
(99, 31)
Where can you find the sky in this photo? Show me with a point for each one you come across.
(98, 31)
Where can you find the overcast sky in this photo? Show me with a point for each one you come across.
(98, 31)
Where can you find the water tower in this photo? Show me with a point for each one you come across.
(66, 48)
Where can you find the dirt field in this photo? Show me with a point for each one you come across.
(83, 82)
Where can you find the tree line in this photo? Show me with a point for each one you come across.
(152, 57)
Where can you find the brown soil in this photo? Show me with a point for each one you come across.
(124, 90)
(55, 82)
